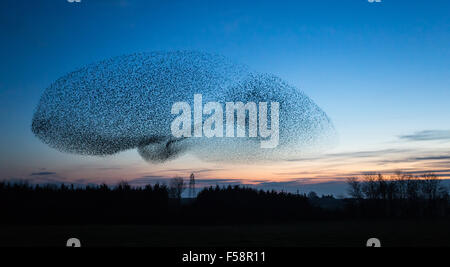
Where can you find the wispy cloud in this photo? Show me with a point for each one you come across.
(148, 179)
(429, 135)
(443, 157)
(191, 170)
(354, 154)
(42, 173)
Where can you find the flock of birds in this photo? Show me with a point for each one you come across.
(125, 103)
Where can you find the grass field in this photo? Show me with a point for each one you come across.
(305, 234)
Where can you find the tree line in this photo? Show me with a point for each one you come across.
(399, 195)
(371, 196)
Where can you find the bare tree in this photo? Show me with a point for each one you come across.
(430, 186)
(381, 185)
(370, 188)
(392, 189)
(412, 188)
(355, 188)
(176, 187)
(401, 180)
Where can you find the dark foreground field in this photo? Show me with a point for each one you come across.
(316, 234)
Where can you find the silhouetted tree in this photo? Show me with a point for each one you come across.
(123, 186)
(412, 188)
(355, 189)
(192, 185)
(430, 186)
(312, 195)
(400, 195)
(369, 187)
(381, 187)
(23, 203)
(176, 187)
(401, 180)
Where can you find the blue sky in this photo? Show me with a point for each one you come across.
(379, 70)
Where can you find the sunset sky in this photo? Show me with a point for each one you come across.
(381, 72)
